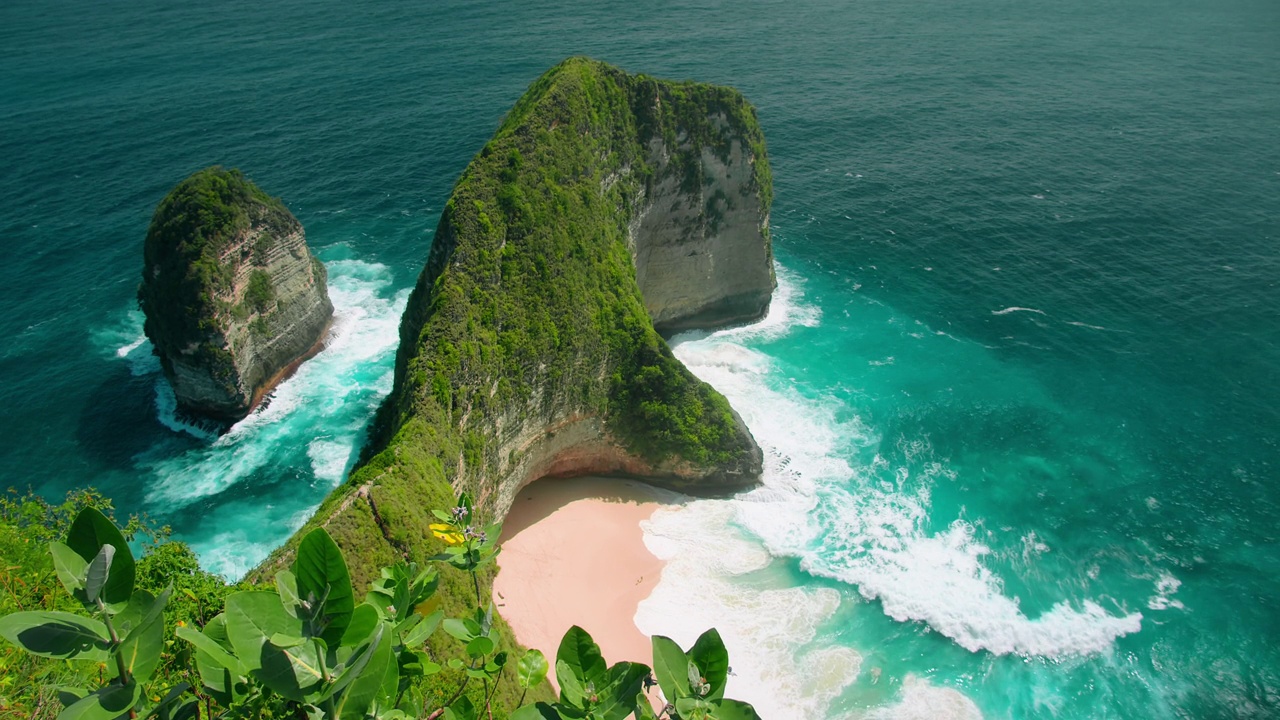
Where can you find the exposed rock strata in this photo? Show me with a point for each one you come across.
(606, 204)
(233, 297)
(700, 240)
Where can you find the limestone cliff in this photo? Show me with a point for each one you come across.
(700, 233)
(604, 204)
(232, 296)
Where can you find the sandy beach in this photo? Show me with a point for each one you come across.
(573, 553)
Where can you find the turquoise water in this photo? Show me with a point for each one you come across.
(1018, 392)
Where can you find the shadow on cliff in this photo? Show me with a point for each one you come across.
(540, 498)
(119, 418)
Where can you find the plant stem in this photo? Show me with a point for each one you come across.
(488, 696)
(121, 667)
(457, 694)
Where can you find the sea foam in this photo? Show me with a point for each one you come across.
(295, 447)
(864, 522)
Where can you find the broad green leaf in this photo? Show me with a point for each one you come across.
(479, 647)
(253, 617)
(411, 703)
(709, 654)
(671, 668)
(143, 608)
(220, 671)
(414, 663)
(218, 681)
(295, 673)
(363, 678)
(734, 710)
(283, 641)
(96, 577)
(322, 573)
(55, 634)
(532, 669)
(644, 710)
(216, 630)
(215, 652)
(616, 695)
(386, 696)
(364, 620)
(141, 648)
(69, 694)
(71, 569)
(131, 615)
(394, 589)
(424, 586)
(107, 703)
(694, 708)
(423, 629)
(358, 660)
(188, 709)
(578, 662)
(458, 629)
(287, 588)
(89, 532)
(462, 709)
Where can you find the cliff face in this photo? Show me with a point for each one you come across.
(700, 238)
(232, 296)
(604, 204)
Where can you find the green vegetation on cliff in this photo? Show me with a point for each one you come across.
(183, 253)
(160, 640)
(528, 312)
(530, 290)
(528, 305)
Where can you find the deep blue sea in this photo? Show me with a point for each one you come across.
(1018, 389)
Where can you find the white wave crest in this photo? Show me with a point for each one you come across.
(764, 629)
(1015, 309)
(922, 701)
(786, 311)
(333, 385)
(863, 522)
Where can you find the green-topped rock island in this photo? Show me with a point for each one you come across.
(607, 207)
(233, 297)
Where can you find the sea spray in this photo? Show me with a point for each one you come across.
(718, 575)
(767, 630)
(233, 497)
(848, 510)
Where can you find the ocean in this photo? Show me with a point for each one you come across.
(1017, 391)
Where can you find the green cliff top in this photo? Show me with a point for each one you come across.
(528, 309)
(183, 271)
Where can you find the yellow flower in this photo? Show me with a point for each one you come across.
(447, 533)
(182, 623)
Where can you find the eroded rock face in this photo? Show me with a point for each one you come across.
(700, 241)
(233, 297)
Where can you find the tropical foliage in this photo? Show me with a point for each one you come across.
(305, 648)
